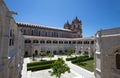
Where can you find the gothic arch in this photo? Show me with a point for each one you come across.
(114, 57)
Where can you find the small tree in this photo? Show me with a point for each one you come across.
(69, 53)
(33, 56)
(59, 67)
(50, 55)
(42, 54)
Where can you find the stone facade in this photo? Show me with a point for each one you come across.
(35, 44)
(54, 40)
(107, 55)
(11, 45)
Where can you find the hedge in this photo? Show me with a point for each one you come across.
(69, 59)
(39, 67)
(81, 59)
(40, 63)
(74, 58)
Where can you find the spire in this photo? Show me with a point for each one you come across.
(76, 18)
(67, 25)
(67, 22)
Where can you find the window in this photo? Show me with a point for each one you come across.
(11, 40)
(24, 32)
(39, 33)
(92, 42)
(48, 41)
(69, 42)
(42, 41)
(79, 42)
(74, 42)
(118, 61)
(55, 42)
(60, 42)
(35, 41)
(27, 41)
(66, 42)
(32, 32)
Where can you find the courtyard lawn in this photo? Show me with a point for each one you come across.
(87, 65)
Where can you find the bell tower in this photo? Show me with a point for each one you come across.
(76, 26)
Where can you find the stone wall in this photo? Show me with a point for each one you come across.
(107, 53)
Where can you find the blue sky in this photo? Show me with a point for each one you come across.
(95, 14)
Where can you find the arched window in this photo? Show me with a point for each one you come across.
(11, 40)
(26, 54)
(48, 52)
(27, 41)
(74, 42)
(92, 42)
(42, 41)
(55, 42)
(60, 42)
(48, 41)
(69, 42)
(79, 42)
(65, 42)
(118, 59)
(35, 41)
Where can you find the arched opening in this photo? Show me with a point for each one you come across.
(48, 41)
(60, 52)
(26, 54)
(54, 52)
(118, 61)
(80, 52)
(35, 41)
(117, 58)
(27, 41)
(36, 52)
(65, 50)
(48, 52)
(86, 53)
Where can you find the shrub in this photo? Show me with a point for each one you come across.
(39, 67)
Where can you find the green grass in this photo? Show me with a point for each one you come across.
(87, 65)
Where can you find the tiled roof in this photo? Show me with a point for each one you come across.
(55, 38)
(41, 26)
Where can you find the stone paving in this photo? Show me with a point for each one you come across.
(76, 71)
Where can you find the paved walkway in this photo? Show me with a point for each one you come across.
(76, 71)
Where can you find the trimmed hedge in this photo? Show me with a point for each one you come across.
(81, 59)
(69, 59)
(39, 67)
(40, 63)
(74, 58)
